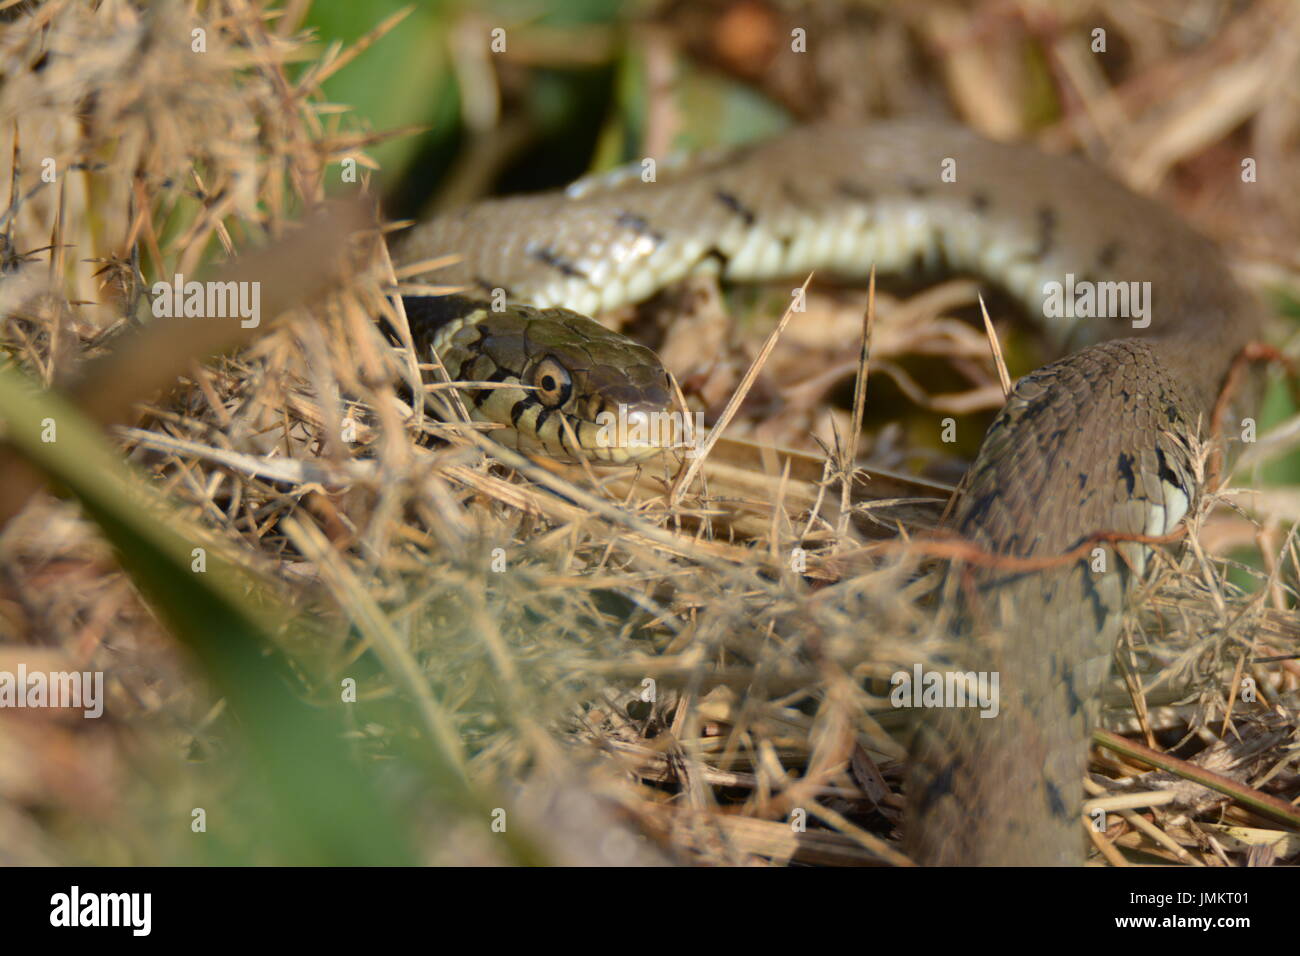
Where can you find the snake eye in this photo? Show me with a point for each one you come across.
(553, 383)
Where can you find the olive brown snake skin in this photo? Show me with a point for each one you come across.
(1095, 442)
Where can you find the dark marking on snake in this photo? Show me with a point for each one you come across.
(1094, 596)
(1125, 464)
(979, 507)
(847, 187)
(487, 285)
(1109, 254)
(1083, 480)
(717, 255)
(940, 785)
(518, 408)
(915, 189)
(1030, 412)
(638, 224)
(550, 257)
(1046, 231)
(1165, 472)
(939, 249)
(1073, 699)
(500, 375)
(930, 256)
(544, 414)
(980, 202)
(1054, 800)
(732, 202)
(1012, 545)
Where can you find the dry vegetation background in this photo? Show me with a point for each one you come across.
(502, 621)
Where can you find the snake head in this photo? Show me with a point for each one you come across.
(586, 392)
(614, 394)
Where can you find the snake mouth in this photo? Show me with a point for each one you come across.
(631, 434)
(623, 416)
(615, 435)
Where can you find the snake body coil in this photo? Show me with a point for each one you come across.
(1097, 441)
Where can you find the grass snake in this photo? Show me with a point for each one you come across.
(1100, 440)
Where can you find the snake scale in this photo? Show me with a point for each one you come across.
(1100, 440)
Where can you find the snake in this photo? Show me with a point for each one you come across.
(1104, 439)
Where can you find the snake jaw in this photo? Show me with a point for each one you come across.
(624, 419)
(639, 434)
(603, 432)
